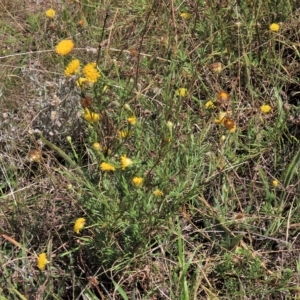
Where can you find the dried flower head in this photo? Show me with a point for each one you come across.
(265, 108)
(229, 124)
(64, 47)
(34, 155)
(137, 181)
(42, 261)
(223, 98)
(91, 117)
(106, 167)
(274, 27)
(79, 224)
(216, 67)
(125, 162)
(72, 67)
(50, 13)
(91, 73)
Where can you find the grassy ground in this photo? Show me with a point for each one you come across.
(203, 98)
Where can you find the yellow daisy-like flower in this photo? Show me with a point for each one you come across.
(275, 183)
(91, 73)
(185, 15)
(182, 92)
(220, 118)
(131, 120)
(107, 167)
(42, 261)
(79, 224)
(91, 117)
(123, 134)
(81, 81)
(265, 108)
(64, 47)
(210, 104)
(125, 162)
(274, 27)
(137, 181)
(158, 193)
(96, 146)
(72, 67)
(50, 13)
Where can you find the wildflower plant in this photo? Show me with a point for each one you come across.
(160, 164)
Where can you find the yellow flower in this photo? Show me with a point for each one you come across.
(210, 104)
(107, 167)
(265, 108)
(64, 47)
(274, 27)
(123, 134)
(131, 120)
(91, 117)
(125, 162)
(81, 81)
(42, 261)
(275, 183)
(91, 73)
(158, 193)
(137, 181)
(182, 92)
(185, 15)
(220, 118)
(72, 67)
(96, 146)
(50, 13)
(79, 224)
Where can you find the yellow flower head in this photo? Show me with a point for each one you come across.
(274, 27)
(96, 146)
(210, 105)
(275, 183)
(107, 167)
(81, 81)
(79, 224)
(125, 162)
(91, 73)
(64, 47)
(123, 134)
(131, 120)
(185, 15)
(265, 108)
(72, 67)
(182, 92)
(158, 193)
(91, 117)
(42, 261)
(137, 181)
(50, 13)
(220, 118)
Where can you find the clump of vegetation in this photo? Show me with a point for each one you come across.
(150, 150)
